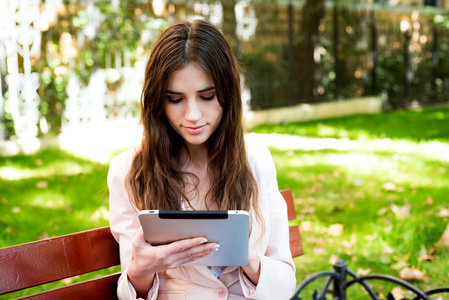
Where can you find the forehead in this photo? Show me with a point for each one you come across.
(192, 77)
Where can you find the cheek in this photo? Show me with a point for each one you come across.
(170, 112)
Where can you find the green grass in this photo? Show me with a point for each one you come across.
(400, 159)
(49, 194)
(397, 159)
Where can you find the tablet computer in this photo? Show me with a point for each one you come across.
(230, 229)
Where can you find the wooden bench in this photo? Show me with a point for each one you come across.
(36, 263)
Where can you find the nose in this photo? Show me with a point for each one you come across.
(193, 111)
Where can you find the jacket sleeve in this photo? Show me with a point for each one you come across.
(277, 275)
(124, 223)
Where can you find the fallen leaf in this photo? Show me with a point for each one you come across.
(44, 236)
(389, 186)
(349, 244)
(433, 250)
(16, 210)
(404, 258)
(318, 251)
(424, 255)
(363, 272)
(429, 200)
(333, 259)
(335, 229)
(306, 226)
(401, 212)
(387, 250)
(370, 237)
(308, 210)
(444, 240)
(42, 184)
(317, 241)
(397, 293)
(443, 213)
(382, 211)
(39, 162)
(411, 274)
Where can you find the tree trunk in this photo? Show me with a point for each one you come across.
(312, 14)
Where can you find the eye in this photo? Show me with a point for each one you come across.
(174, 100)
(208, 97)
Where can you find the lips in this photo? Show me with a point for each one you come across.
(195, 129)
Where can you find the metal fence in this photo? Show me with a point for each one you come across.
(359, 51)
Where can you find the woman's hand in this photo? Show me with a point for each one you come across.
(147, 260)
(252, 270)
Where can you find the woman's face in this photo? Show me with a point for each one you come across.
(191, 105)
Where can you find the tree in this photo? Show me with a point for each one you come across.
(312, 14)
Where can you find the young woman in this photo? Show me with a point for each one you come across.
(193, 157)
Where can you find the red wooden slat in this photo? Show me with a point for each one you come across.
(295, 241)
(99, 288)
(295, 236)
(44, 261)
(288, 197)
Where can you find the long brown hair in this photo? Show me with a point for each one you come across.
(156, 179)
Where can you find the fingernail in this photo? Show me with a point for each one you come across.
(203, 241)
(215, 248)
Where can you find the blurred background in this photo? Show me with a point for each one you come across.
(351, 97)
(67, 64)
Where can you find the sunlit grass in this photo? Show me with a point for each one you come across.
(376, 203)
(49, 194)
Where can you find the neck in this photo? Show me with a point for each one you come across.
(198, 156)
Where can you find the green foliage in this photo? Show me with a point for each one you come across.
(442, 21)
(53, 98)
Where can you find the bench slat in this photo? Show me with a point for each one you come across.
(295, 241)
(288, 197)
(295, 236)
(48, 260)
(99, 288)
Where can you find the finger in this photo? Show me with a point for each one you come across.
(183, 245)
(195, 253)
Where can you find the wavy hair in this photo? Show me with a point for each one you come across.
(156, 179)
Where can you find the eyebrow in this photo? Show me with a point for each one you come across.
(210, 88)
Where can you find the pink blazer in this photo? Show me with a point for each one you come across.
(277, 278)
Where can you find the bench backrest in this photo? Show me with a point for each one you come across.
(295, 236)
(53, 259)
(32, 264)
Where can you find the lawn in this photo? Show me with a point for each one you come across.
(379, 202)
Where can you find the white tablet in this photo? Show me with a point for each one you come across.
(230, 229)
